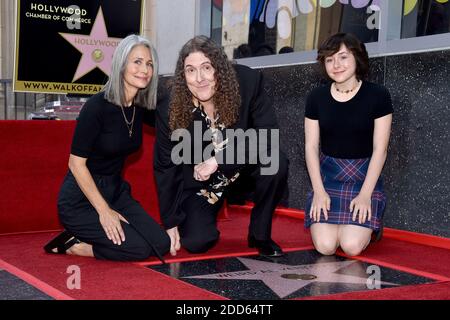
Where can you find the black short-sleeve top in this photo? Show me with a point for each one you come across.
(101, 135)
(346, 128)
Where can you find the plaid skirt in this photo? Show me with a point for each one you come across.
(343, 179)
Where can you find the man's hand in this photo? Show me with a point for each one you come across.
(204, 170)
(175, 244)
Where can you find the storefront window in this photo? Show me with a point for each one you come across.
(425, 17)
(264, 27)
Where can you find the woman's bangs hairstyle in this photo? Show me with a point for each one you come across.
(226, 98)
(115, 87)
(332, 45)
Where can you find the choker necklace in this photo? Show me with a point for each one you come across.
(129, 123)
(346, 91)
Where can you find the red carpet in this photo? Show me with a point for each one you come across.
(110, 280)
(28, 203)
(22, 255)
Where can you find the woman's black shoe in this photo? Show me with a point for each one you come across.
(376, 236)
(61, 243)
(266, 248)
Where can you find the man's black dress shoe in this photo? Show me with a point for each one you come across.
(266, 248)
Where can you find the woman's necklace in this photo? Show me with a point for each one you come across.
(129, 123)
(346, 91)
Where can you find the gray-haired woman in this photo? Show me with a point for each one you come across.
(101, 218)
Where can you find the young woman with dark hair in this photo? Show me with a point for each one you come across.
(347, 129)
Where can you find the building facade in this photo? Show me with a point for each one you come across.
(409, 45)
